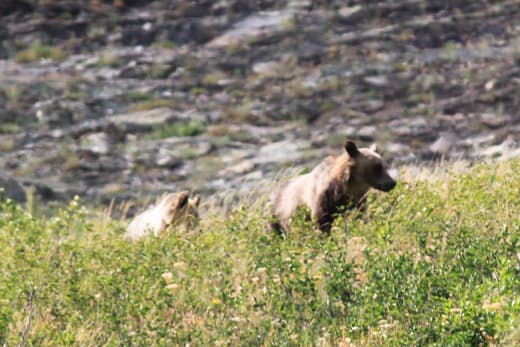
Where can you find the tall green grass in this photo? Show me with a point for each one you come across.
(433, 263)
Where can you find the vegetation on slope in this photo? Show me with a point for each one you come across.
(434, 263)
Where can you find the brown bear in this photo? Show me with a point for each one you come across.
(172, 210)
(337, 182)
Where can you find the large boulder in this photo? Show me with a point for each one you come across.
(11, 189)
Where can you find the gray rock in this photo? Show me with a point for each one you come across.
(494, 121)
(165, 158)
(367, 133)
(186, 147)
(444, 143)
(47, 190)
(377, 81)
(373, 105)
(240, 168)
(96, 142)
(476, 143)
(396, 149)
(412, 126)
(299, 4)
(53, 113)
(503, 149)
(254, 175)
(261, 24)
(280, 152)
(12, 189)
(143, 120)
(268, 69)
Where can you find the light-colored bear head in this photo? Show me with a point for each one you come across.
(180, 209)
(369, 167)
(171, 211)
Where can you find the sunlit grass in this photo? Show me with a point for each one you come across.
(433, 263)
(39, 51)
(182, 128)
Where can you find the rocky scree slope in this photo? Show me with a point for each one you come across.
(120, 102)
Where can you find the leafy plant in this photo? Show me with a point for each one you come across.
(433, 263)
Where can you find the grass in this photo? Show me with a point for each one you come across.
(109, 60)
(433, 263)
(188, 128)
(39, 51)
(164, 44)
(10, 128)
(138, 96)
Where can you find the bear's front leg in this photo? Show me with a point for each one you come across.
(324, 209)
(322, 217)
(276, 226)
(325, 223)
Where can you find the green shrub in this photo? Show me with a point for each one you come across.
(430, 264)
(189, 128)
(39, 51)
(137, 96)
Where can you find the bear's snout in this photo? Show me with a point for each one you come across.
(386, 186)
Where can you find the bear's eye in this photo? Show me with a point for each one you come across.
(378, 168)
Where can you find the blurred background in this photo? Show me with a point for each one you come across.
(129, 98)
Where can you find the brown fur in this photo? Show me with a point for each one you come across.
(337, 182)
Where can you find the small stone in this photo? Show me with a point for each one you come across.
(373, 105)
(347, 11)
(96, 142)
(376, 81)
(489, 85)
(165, 158)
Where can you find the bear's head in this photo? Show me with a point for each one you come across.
(369, 167)
(180, 209)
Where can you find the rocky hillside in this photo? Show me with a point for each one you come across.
(123, 99)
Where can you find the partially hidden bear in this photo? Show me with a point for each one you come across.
(172, 210)
(337, 182)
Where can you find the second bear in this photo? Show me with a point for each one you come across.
(172, 210)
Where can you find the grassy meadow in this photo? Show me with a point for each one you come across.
(433, 263)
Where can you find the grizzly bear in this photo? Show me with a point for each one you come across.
(337, 182)
(172, 210)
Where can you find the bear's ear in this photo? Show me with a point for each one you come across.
(351, 149)
(183, 200)
(195, 201)
(373, 147)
